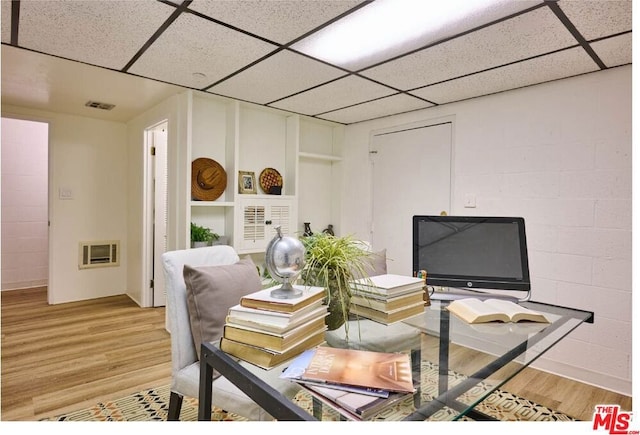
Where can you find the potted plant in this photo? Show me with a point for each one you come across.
(332, 262)
(202, 236)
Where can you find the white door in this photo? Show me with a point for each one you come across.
(411, 176)
(157, 239)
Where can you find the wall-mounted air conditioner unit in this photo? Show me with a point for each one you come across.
(99, 254)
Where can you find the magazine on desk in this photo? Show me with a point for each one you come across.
(296, 369)
(354, 405)
(359, 368)
(473, 310)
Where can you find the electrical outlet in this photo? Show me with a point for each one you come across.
(469, 201)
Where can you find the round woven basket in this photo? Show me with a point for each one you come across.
(270, 179)
(208, 179)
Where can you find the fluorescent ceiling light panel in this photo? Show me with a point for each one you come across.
(388, 26)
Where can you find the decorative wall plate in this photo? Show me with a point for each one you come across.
(270, 180)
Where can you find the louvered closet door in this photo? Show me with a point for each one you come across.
(280, 215)
(258, 220)
(253, 225)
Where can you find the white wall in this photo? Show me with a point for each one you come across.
(25, 212)
(88, 157)
(558, 154)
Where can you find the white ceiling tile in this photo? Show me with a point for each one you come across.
(524, 36)
(282, 74)
(494, 10)
(279, 21)
(6, 21)
(109, 33)
(614, 51)
(540, 69)
(340, 93)
(104, 33)
(60, 85)
(392, 105)
(595, 19)
(195, 45)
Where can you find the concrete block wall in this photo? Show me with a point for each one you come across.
(559, 155)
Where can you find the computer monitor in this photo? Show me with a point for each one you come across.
(472, 253)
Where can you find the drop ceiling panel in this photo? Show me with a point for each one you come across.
(279, 76)
(614, 51)
(540, 69)
(494, 10)
(394, 104)
(337, 94)
(55, 83)
(194, 45)
(88, 31)
(279, 21)
(240, 49)
(521, 37)
(595, 19)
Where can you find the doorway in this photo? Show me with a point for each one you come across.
(156, 211)
(25, 204)
(412, 173)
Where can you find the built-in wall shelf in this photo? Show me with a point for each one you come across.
(212, 204)
(244, 137)
(314, 156)
(264, 196)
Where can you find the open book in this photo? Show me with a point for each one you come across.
(473, 310)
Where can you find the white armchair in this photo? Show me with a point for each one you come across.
(185, 367)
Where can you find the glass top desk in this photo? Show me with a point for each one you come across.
(457, 365)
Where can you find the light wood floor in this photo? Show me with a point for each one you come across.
(59, 358)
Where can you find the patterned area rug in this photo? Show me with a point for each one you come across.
(153, 404)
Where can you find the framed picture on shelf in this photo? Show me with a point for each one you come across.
(247, 182)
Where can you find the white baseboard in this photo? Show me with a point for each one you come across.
(596, 379)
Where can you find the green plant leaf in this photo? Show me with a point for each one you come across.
(332, 262)
(202, 234)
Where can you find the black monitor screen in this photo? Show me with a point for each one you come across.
(472, 251)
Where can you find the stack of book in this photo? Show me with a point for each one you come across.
(358, 383)
(266, 331)
(387, 298)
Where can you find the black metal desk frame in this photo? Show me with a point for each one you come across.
(283, 409)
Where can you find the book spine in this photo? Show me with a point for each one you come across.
(248, 353)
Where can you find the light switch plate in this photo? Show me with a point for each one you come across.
(65, 193)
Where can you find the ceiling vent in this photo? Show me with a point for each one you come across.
(99, 105)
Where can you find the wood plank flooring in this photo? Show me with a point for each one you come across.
(59, 358)
(573, 398)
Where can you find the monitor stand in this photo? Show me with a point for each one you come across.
(454, 293)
